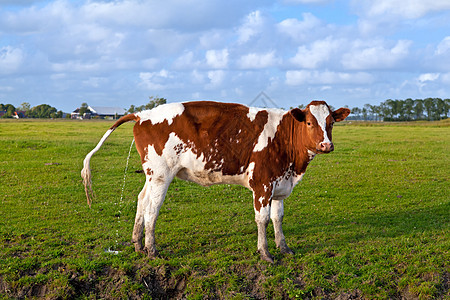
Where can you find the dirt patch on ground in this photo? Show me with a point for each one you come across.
(110, 283)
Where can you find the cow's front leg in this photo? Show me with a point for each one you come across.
(276, 214)
(262, 218)
(262, 198)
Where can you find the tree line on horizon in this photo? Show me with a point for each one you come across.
(430, 109)
(39, 111)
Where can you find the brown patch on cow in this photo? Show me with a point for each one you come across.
(148, 134)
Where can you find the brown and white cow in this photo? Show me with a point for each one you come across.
(265, 150)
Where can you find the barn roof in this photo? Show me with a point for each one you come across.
(107, 111)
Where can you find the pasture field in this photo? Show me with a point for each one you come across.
(369, 221)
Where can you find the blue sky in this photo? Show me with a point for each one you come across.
(118, 53)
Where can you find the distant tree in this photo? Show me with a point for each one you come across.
(43, 111)
(384, 111)
(446, 107)
(399, 110)
(408, 109)
(356, 111)
(132, 109)
(154, 102)
(440, 109)
(364, 112)
(25, 106)
(418, 109)
(376, 111)
(428, 103)
(370, 109)
(9, 108)
(390, 109)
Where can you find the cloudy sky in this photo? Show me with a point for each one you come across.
(118, 53)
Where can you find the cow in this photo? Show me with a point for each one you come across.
(206, 142)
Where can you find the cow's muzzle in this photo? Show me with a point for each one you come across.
(325, 147)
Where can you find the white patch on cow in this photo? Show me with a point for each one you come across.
(277, 210)
(261, 200)
(161, 113)
(262, 215)
(311, 155)
(284, 185)
(252, 112)
(321, 112)
(270, 128)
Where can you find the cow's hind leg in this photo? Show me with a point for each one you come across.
(138, 230)
(276, 214)
(156, 192)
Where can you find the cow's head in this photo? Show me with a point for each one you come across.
(317, 121)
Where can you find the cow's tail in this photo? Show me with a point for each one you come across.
(86, 171)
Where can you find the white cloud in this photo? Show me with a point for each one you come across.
(428, 77)
(10, 59)
(299, 30)
(197, 77)
(252, 26)
(258, 60)
(76, 66)
(319, 52)
(303, 77)
(408, 9)
(214, 39)
(216, 78)
(183, 15)
(366, 55)
(443, 47)
(154, 80)
(185, 61)
(217, 59)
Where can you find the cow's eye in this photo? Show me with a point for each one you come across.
(309, 123)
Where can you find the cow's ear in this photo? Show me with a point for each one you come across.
(340, 114)
(298, 114)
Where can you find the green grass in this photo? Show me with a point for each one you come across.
(370, 220)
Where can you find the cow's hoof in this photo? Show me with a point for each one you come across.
(138, 248)
(267, 257)
(286, 250)
(151, 253)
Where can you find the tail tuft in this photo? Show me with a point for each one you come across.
(87, 181)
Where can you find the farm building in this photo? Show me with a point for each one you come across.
(100, 112)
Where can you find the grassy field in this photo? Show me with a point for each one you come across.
(369, 221)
